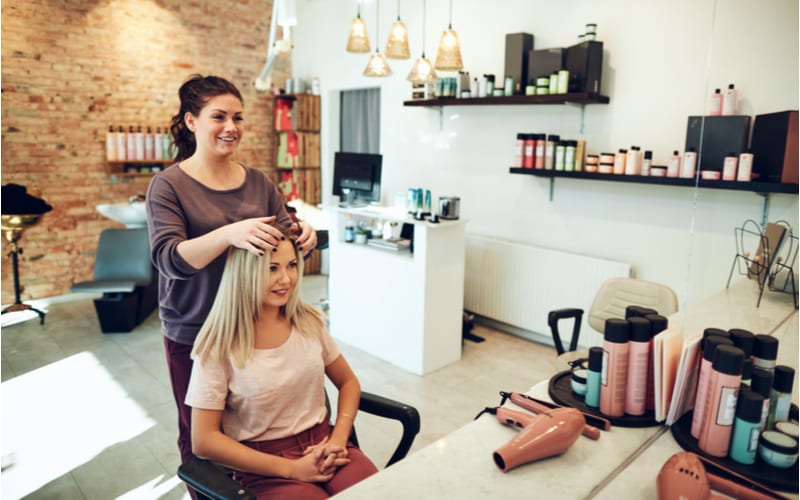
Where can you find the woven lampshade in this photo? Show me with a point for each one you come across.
(377, 66)
(397, 44)
(358, 41)
(448, 57)
(422, 72)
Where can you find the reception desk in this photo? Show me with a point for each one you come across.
(401, 306)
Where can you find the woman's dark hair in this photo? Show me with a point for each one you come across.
(194, 94)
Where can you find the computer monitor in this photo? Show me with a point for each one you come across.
(357, 178)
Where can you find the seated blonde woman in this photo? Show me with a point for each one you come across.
(257, 385)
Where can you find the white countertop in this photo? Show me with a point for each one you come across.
(623, 463)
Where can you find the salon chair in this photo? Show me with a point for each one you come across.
(211, 481)
(125, 276)
(610, 301)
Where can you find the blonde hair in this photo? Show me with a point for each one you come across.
(229, 330)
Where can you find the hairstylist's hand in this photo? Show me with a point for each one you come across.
(307, 240)
(255, 235)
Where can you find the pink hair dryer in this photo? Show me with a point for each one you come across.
(545, 435)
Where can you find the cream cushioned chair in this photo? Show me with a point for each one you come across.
(611, 300)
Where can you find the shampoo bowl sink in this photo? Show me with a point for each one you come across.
(132, 215)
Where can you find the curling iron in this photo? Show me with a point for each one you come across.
(537, 406)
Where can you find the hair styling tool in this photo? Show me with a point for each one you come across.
(546, 435)
(536, 406)
(683, 476)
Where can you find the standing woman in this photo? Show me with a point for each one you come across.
(202, 205)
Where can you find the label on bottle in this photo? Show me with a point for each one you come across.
(752, 443)
(727, 405)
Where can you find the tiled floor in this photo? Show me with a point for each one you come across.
(88, 415)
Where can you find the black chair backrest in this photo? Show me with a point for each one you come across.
(123, 254)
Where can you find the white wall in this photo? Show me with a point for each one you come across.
(662, 59)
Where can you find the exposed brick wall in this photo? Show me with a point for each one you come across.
(72, 67)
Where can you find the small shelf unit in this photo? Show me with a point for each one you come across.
(571, 98)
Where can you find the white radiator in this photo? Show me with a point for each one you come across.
(519, 284)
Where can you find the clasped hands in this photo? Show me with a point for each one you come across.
(320, 461)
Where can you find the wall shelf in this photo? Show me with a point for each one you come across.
(571, 98)
(120, 168)
(761, 188)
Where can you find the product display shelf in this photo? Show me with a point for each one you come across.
(118, 167)
(571, 98)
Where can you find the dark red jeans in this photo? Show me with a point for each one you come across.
(360, 467)
(179, 365)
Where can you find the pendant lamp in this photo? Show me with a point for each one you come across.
(448, 58)
(377, 65)
(397, 44)
(358, 41)
(423, 71)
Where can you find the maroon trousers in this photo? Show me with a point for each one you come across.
(263, 487)
(179, 365)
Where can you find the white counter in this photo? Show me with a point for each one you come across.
(405, 308)
(623, 463)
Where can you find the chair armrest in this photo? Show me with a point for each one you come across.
(554, 317)
(211, 481)
(407, 415)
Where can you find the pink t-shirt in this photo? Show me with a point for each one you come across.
(280, 392)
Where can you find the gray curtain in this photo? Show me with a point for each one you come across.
(360, 129)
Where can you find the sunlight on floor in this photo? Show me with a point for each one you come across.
(53, 404)
(153, 489)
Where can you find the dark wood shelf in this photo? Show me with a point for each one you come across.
(571, 98)
(754, 186)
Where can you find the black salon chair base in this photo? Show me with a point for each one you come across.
(210, 481)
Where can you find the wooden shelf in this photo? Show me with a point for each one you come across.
(118, 167)
(571, 98)
(754, 186)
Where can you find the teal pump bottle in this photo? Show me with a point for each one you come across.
(593, 377)
(744, 442)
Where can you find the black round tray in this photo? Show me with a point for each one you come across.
(560, 389)
(760, 471)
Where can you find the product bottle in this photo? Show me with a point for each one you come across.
(559, 158)
(519, 151)
(473, 90)
(765, 352)
(743, 339)
(729, 101)
(709, 346)
(130, 144)
(619, 161)
(729, 167)
(550, 151)
(569, 155)
(139, 143)
(689, 164)
(761, 382)
(488, 85)
(724, 381)
(658, 324)
(563, 81)
(529, 154)
(158, 146)
(580, 155)
(170, 150)
(149, 145)
(715, 104)
(780, 399)
(744, 442)
(646, 162)
(349, 230)
(633, 163)
(638, 357)
(674, 165)
(615, 368)
(595, 374)
(554, 83)
(747, 370)
(111, 144)
(121, 140)
(745, 167)
(541, 143)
